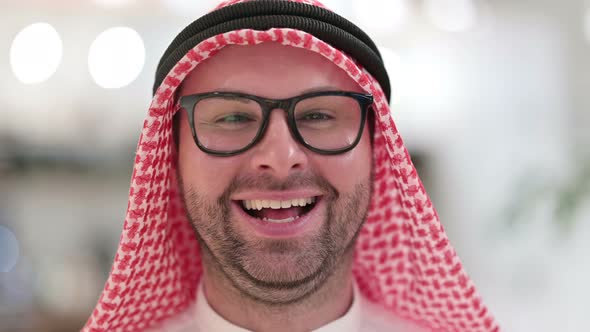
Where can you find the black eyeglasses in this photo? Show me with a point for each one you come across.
(229, 123)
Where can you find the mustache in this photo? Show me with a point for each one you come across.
(270, 183)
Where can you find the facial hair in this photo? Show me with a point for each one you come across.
(297, 267)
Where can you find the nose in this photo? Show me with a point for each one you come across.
(278, 152)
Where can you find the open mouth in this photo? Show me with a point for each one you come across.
(275, 211)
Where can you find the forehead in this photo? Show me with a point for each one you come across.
(269, 70)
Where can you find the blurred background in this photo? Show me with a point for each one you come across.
(491, 97)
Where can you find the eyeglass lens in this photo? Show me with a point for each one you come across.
(231, 123)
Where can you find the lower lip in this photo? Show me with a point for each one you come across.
(281, 230)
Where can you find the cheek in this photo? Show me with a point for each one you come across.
(347, 170)
(206, 174)
(199, 172)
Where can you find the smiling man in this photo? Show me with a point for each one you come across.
(277, 221)
(272, 192)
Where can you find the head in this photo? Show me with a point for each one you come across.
(262, 260)
(285, 262)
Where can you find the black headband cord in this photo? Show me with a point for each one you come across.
(263, 15)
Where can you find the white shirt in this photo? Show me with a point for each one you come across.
(362, 316)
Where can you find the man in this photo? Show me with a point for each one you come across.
(272, 192)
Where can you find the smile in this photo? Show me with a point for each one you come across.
(278, 211)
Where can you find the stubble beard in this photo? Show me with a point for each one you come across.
(308, 262)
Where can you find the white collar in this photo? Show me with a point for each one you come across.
(209, 320)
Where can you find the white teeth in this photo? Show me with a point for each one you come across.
(258, 204)
(280, 221)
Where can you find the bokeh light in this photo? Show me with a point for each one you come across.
(451, 15)
(9, 251)
(381, 16)
(36, 53)
(116, 57)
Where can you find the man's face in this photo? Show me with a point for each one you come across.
(270, 261)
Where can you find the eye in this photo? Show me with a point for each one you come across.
(315, 116)
(234, 118)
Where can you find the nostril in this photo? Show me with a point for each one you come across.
(265, 167)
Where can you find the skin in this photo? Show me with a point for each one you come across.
(269, 284)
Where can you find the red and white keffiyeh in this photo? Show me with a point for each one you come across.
(403, 259)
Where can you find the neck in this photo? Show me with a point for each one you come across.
(329, 302)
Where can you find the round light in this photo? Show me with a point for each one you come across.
(116, 57)
(9, 252)
(380, 15)
(35, 53)
(451, 15)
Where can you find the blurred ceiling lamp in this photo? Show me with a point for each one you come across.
(381, 15)
(587, 24)
(393, 65)
(451, 15)
(192, 9)
(9, 252)
(36, 53)
(116, 57)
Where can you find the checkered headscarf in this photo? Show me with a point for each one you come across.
(403, 259)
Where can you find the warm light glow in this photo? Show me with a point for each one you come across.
(35, 53)
(9, 252)
(451, 15)
(116, 57)
(381, 15)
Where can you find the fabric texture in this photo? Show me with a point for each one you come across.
(403, 260)
(266, 14)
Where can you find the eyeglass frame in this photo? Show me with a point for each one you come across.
(267, 105)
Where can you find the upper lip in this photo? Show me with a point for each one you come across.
(275, 195)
